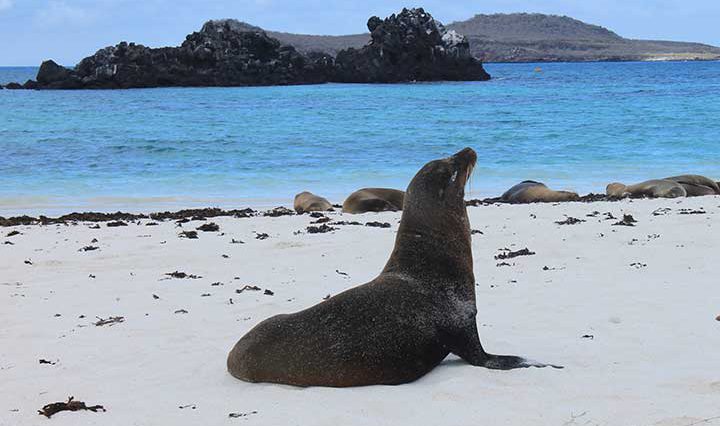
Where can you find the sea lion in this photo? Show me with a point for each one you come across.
(374, 200)
(309, 202)
(696, 185)
(530, 191)
(692, 190)
(402, 324)
(656, 188)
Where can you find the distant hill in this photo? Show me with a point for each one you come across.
(532, 37)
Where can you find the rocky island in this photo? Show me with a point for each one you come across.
(531, 37)
(409, 46)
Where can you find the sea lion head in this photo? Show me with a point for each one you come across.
(440, 184)
(617, 190)
(434, 235)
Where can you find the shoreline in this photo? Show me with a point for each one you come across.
(179, 213)
(278, 209)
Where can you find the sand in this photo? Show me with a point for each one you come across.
(629, 311)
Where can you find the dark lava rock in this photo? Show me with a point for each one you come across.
(485, 202)
(204, 213)
(346, 223)
(13, 86)
(592, 198)
(378, 224)
(30, 85)
(50, 72)
(279, 211)
(248, 288)
(222, 53)
(190, 235)
(507, 254)
(320, 229)
(183, 275)
(209, 227)
(71, 405)
(691, 211)
(321, 220)
(96, 217)
(409, 46)
(116, 224)
(570, 221)
(627, 220)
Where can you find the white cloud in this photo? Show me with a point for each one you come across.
(5, 4)
(60, 12)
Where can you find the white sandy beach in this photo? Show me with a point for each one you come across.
(646, 299)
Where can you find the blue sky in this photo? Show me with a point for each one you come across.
(68, 30)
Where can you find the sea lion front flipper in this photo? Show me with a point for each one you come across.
(465, 343)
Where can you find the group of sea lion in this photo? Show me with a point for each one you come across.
(672, 187)
(677, 186)
(421, 307)
(529, 191)
(362, 201)
(402, 324)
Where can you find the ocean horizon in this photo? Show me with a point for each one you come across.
(574, 126)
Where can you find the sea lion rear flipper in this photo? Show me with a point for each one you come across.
(510, 362)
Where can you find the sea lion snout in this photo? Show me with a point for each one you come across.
(468, 155)
(464, 163)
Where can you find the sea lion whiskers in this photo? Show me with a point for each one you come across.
(468, 177)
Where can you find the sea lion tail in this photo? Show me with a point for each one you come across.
(510, 362)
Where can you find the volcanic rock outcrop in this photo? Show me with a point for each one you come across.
(410, 46)
(221, 54)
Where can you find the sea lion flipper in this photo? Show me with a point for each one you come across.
(465, 343)
(511, 362)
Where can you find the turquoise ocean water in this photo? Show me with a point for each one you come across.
(573, 126)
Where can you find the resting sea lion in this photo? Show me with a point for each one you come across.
(374, 200)
(692, 190)
(696, 185)
(309, 202)
(400, 325)
(530, 191)
(657, 188)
